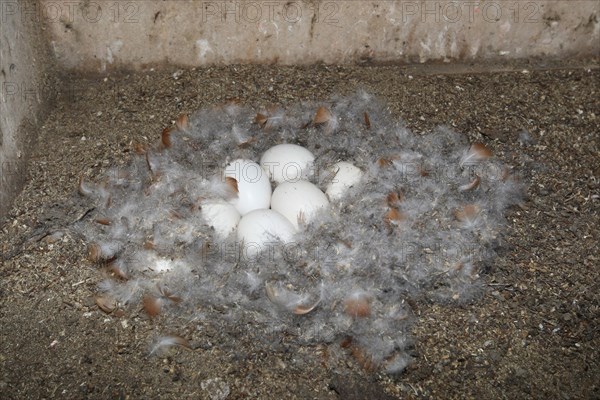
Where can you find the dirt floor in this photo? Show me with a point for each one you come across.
(533, 334)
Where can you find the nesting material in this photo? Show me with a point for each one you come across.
(421, 216)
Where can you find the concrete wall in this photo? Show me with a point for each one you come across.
(100, 35)
(25, 85)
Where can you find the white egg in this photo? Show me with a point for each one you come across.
(221, 215)
(260, 229)
(254, 188)
(345, 176)
(287, 163)
(298, 200)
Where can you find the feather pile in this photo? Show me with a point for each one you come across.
(422, 222)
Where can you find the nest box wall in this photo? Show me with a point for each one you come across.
(25, 90)
(101, 35)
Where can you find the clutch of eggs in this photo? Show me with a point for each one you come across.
(260, 215)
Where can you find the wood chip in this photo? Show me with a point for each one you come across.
(106, 303)
(182, 123)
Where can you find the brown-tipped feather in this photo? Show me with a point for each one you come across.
(261, 119)
(302, 309)
(152, 305)
(322, 116)
(393, 217)
(117, 271)
(148, 163)
(139, 148)
(247, 143)
(384, 162)
(80, 187)
(165, 137)
(168, 341)
(367, 120)
(232, 183)
(481, 149)
(94, 252)
(477, 153)
(276, 297)
(471, 185)
(467, 213)
(182, 123)
(83, 189)
(346, 342)
(164, 292)
(363, 358)
(394, 198)
(181, 341)
(357, 306)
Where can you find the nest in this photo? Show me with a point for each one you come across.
(422, 222)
